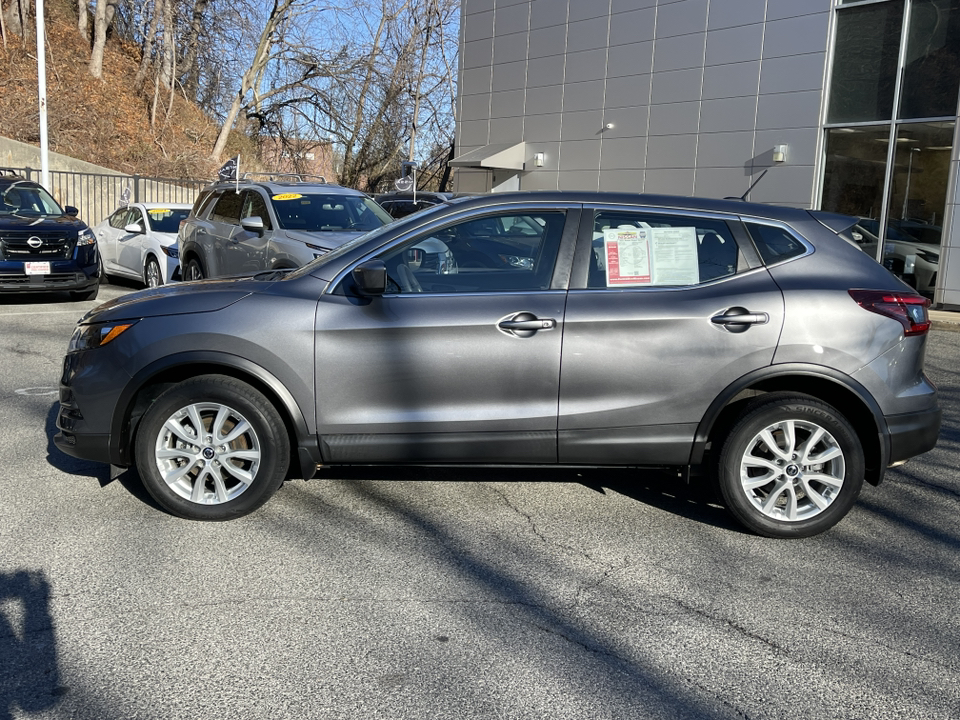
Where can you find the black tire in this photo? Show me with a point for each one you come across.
(193, 270)
(90, 294)
(152, 277)
(800, 498)
(210, 480)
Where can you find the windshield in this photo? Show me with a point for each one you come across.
(167, 220)
(318, 212)
(28, 199)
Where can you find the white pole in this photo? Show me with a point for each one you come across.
(42, 88)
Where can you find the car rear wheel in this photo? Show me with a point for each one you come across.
(151, 273)
(791, 467)
(212, 448)
(194, 271)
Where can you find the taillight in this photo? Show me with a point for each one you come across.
(909, 309)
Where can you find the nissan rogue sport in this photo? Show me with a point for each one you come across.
(755, 344)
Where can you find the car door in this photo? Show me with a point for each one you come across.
(108, 234)
(666, 309)
(223, 256)
(453, 363)
(130, 245)
(250, 246)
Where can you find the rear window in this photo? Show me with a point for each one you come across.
(775, 244)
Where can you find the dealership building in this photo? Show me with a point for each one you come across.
(848, 106)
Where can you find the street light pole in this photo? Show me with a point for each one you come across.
(42, 90)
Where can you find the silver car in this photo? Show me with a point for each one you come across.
(748, 345)
(243, 227)
(139, 242)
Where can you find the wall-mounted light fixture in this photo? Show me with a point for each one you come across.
(779, 153)
(538, 159)
(608, 126)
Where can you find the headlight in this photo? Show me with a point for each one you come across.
(86, 237)
(930, 257)
(171, 251)
(518, 262)
(87, 337)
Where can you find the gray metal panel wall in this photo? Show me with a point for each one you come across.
(698, 93)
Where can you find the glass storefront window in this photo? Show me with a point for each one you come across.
(931, 74)
(865, 63)
(918, 191)
(855, 169)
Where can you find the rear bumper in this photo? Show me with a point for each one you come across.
(912, 434)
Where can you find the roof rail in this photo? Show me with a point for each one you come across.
(10, 172)
(275, 176)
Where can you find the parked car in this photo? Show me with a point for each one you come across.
(747, 342)
(401, 204)
(906, 255)
(43, 247)
(140, 242)
(283, 223)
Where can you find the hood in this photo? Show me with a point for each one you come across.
(322, 238)
(165, 239)
(27, 223)
(176, 299)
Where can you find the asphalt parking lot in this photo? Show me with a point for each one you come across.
(436, 594)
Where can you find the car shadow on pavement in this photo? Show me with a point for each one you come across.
(662, 489)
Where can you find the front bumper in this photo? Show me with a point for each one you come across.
(74, 274)
(912, 434)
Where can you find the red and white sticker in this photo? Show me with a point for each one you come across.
(36, 268)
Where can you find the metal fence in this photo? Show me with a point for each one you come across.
(96, 196)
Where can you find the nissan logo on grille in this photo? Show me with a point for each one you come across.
(34, 242)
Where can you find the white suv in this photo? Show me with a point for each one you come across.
(242, 227)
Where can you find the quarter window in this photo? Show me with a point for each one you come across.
(774, 243)
(495, 253)
(635, 249)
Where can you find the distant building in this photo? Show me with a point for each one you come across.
(852, 106)
(310, 157)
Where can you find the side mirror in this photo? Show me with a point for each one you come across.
(371, 277)
(70, 210)
(253, 224)
(133, 228)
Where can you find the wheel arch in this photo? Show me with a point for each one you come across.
(837, 389)
(147, 385)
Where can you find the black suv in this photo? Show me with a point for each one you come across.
(43, 247)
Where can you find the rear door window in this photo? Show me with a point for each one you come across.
(632, 248)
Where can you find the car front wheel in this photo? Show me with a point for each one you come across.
(212, 448)
(151, 274)
(791, 467)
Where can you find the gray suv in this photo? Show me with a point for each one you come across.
(284, 222)
(755, 345)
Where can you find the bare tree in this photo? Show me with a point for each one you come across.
(102, 18)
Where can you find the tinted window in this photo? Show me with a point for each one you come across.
(635, 249)
(479, 256)
(227, 209)
(203, 202)
(775, 244)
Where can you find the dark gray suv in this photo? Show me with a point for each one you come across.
(283, 222)
(755, 343)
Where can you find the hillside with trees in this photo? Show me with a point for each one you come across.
(174, 87)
